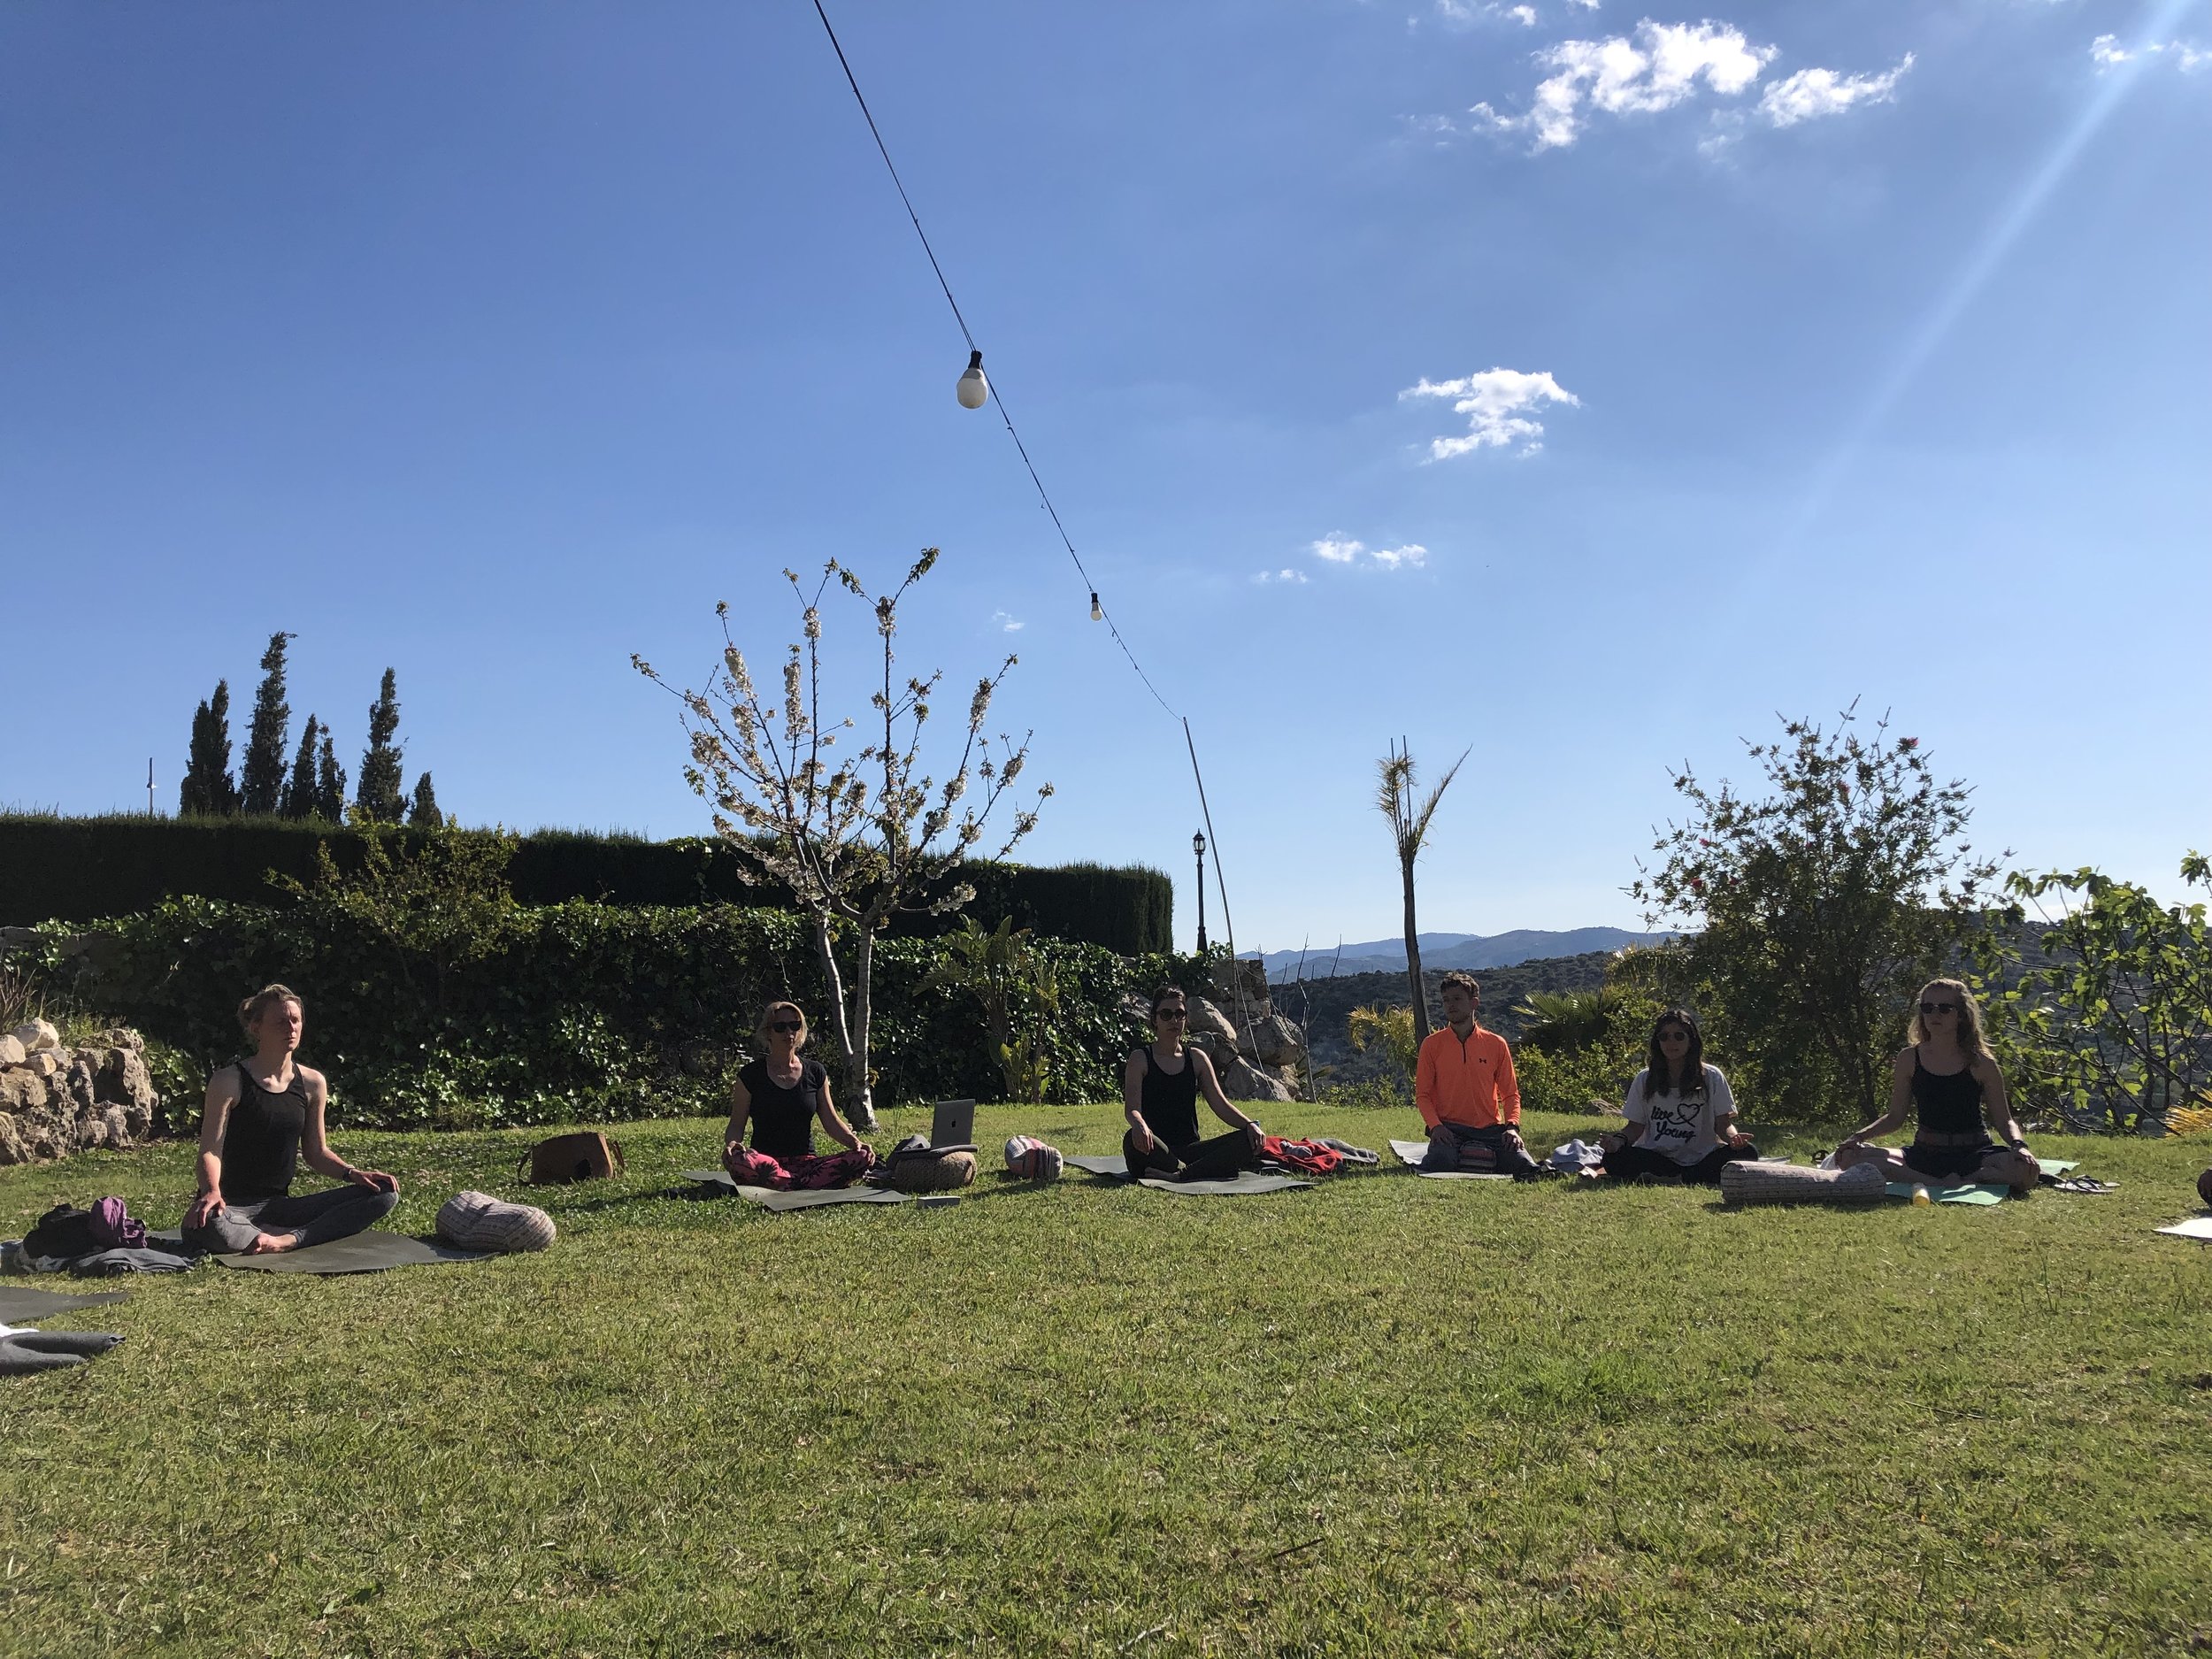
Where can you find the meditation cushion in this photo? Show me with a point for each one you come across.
(928, 1170)
(2204, 1187)
(1030, 1159)
(1751, 1183)
(477, 1221)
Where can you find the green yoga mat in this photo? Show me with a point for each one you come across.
(20, 1304)
(1951, 1194)
(363, 1252)
(769, 1198)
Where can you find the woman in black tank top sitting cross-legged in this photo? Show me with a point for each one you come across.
(1160, 1085)
(1951, 1079)
(782, 1095)
(263, 1115)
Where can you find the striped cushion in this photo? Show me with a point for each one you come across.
(477, 1221)
(1030, 1159)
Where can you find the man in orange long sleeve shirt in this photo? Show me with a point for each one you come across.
(1464, 1083)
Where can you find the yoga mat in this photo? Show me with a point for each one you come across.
(2057, 1166)
(363, 1252)
(19, 1305)
(1412, 1152)
(769, 1198)
(1115, 1167)
(2195, 1227)
(1951, 1194)
(1248, 1182)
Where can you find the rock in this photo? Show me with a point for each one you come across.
(12, 1050)
(1273, 1041)
(21, 1090)
(1207, 1020)
(1240, 987)
(1241, 1081)
(59, 1102)
(37, 1034)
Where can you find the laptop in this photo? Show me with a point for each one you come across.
(953, 1124)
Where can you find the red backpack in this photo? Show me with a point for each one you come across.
(1301, 1158)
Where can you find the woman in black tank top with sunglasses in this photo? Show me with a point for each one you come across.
(1951, 1079)
(1160, 1085)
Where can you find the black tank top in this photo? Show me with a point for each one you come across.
(1949, 1102)
(783, 1116)
(261, 1138)
(1170, 1100)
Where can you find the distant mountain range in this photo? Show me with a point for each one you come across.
(1452, 950)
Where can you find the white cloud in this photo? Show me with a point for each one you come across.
(2107, 53)
(1336, 547)
(1498, 404)
(1525, 16)
(1811, 94)
(1664, 64)
(1659, 69)
(1006, 624)
(1296, 578)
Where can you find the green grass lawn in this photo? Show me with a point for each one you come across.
(1384, 1415)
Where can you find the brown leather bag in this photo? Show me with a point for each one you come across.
(586, 1155)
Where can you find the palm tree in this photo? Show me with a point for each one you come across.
(1567, 1022)
(1410, 829)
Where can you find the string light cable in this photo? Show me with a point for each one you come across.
(973, 389)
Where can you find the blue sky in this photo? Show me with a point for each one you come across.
(1808, 353)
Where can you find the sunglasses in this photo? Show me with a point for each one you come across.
(1170, 1013)
(1939, 1007)
(1674, 1033)
(786, 1025)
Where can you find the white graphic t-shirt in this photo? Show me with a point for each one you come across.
(1682, 1129)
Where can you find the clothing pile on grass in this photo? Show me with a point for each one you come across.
(96, 1243)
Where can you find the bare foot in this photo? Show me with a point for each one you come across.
(272, 1243)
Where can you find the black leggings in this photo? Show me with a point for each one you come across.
(1628, 1163)
(1200, 1161)
(317, 1218)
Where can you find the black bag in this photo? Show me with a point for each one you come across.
(65, 1231)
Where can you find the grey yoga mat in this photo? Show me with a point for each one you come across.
(1249, 1181)
(20, 1305)
(1115, 1168)
(363, 1252)
(1112, 1165)
(1412, 1152)
(769, 1198)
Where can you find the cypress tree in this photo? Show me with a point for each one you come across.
(382, 793)
(330, 784)
(422, 812)
(207, 790)
(299, 789)
(261, 780)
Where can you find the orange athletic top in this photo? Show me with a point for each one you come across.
(1470, 1083)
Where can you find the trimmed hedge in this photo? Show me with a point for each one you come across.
(82, 869)
(569, 1011)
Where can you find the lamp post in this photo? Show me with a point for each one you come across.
(1198, 845)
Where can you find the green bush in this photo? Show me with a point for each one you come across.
(556, 1012)
(87, 868)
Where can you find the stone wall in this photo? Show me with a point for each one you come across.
(55, 1100)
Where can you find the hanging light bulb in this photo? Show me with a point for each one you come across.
(973, 391)
(1097, 613)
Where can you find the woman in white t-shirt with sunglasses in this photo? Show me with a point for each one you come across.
(1681, 1116)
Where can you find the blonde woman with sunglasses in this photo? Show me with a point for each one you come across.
(1949, 1079)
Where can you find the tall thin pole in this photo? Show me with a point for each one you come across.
(149, 786)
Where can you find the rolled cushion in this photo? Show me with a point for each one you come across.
(1750, 1183)
(930, 1173)
(1030, 1159)
(477, 1221)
